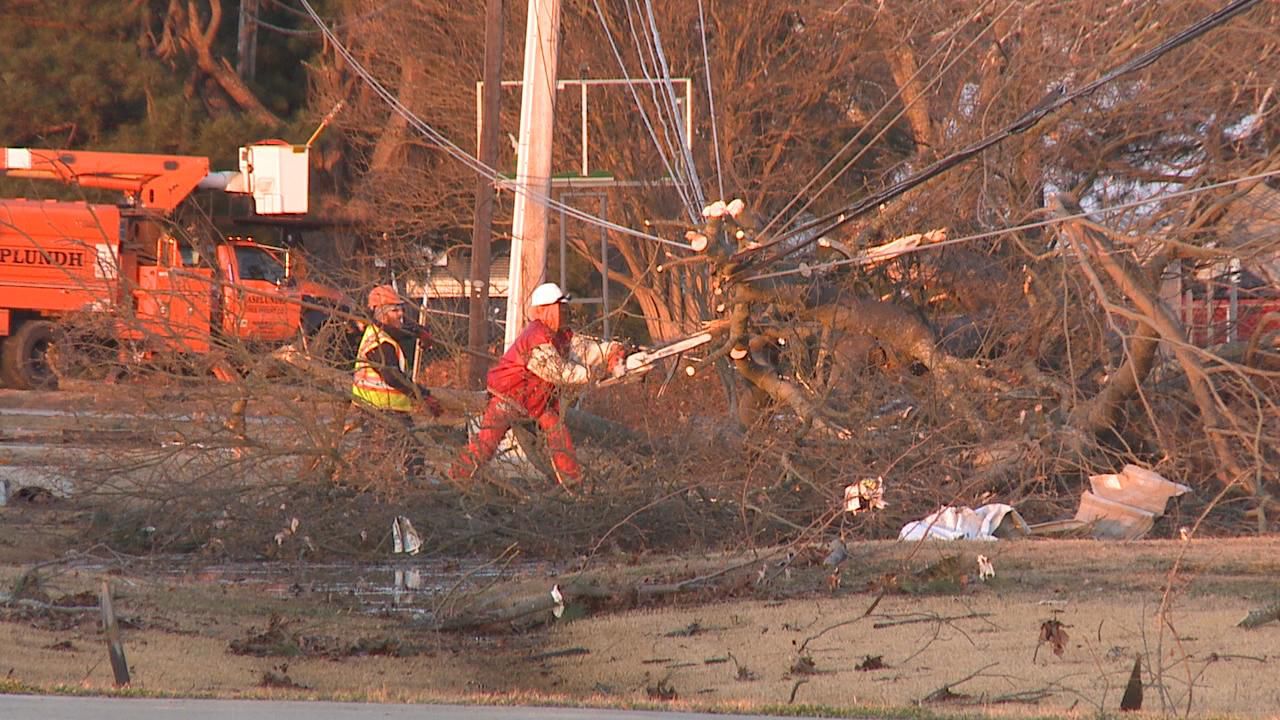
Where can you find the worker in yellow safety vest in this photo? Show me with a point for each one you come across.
(381, 385)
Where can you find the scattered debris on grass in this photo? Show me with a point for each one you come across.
(273, 679)
(804, 665)
(662, 690)
(272, 642)
(871, 662)
(693, 628)
(1260, 616)
(278, 641)
(566, 652)
(944, 694)
(1052, 631)
(795, 688)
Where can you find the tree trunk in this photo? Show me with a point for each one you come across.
(389, 153)
(1093, 245)
(906, 75)
(201, 42)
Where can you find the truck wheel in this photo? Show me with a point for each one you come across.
(25, 361)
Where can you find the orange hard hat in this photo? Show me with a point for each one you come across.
(383, 295)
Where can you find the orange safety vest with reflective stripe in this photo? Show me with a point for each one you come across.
(367, 386)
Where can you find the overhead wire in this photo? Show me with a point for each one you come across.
(463, 156)
(864, 257)
(670, 123)
(667, 115)
(257, 19)
(681, 177)
(701, 302)
(670, 88)
(1052, 101)
(644, 116)
(937, 78)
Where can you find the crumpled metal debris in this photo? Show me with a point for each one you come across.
(558, 598)
(986, 570)
(1125, 505)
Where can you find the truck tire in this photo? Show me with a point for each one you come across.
(25, 362)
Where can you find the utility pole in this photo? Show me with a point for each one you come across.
(482, 225)
(533, 164)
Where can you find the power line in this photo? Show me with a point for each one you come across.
(888, 125)
(864, 257)
(669, 129)
(711, 99)
(644, 115)
(686, 151)
(463, 156)
(1052, 101)
(257, 19)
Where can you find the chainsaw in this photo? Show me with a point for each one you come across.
(639, 363)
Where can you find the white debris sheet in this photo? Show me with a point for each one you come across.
(962, 523)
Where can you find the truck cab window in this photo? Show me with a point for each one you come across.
(258, 264)
(190, 255)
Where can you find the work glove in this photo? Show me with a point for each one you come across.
(421, 333)
(424, 336)
(615, 361)
(433, 406)
(427, 401)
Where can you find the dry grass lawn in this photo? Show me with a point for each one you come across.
(789, 640)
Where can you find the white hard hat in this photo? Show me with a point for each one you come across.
(547, 294)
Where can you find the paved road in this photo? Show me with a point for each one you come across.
(36, 707)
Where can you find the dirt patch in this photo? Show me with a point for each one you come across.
(789, 639)
(279, 640)
(1058, 629)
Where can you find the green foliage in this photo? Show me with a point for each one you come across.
(84, 74)
(74, 76)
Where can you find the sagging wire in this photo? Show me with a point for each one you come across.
(674, 129)
(670, 87)
(644, 115)
(671, 123)
(463, 156)
(658, 85)
(1053, 100)
(937, 78)
(257, 19)
(678, 173)
(864, 257)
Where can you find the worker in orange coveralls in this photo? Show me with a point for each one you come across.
(380, 385)
(525, 384)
